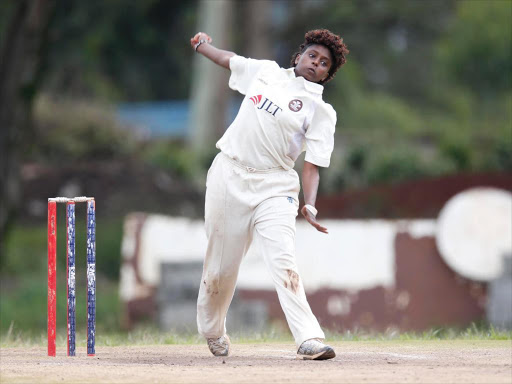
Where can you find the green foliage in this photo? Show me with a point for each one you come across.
(172, 156)
(396, 166)
(458, 152)
(501, 156)
(429, 80)
(26, 247)
(477, 51)
(7, 9)
(426, 89)
(121, 50)
(26, 250)
(70, 131)
(29, 320)
(381, 115)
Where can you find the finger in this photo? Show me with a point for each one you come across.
(310, 219)
(315, 224)
(320, 228)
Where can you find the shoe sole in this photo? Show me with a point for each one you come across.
(220, 355)
(324, 355)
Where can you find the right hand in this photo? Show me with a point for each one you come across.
(199, 36)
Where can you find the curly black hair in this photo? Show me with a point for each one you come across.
(330, 40)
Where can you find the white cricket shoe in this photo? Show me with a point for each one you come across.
(315, 349)
(219, 346)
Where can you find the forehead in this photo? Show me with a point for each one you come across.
(321, 49)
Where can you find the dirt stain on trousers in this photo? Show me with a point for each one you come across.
(212, 288)
(293, 280)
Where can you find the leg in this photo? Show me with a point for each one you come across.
(227, 229)
(275, 236)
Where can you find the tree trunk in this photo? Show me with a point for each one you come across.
(210, 92)
(257, 25)
(20, 70)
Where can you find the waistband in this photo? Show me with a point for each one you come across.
(251, 169)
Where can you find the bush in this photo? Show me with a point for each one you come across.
(171, 156)
(73, 131)
(396, 167)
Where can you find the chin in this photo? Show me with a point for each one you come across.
(308, 78)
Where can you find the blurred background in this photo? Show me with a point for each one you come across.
(107, 99)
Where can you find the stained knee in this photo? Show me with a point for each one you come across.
(211, 286)
(292, 281)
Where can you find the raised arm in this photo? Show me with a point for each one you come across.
(310, 181)
(201, 42)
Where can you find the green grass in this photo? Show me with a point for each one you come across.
(149, 335)
(23, 305)
(473, 332)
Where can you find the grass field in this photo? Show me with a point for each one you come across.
(150, 335)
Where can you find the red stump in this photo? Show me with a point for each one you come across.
(52, 276)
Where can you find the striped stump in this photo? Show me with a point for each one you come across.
(91, 276)
(70, 272)
(71, 286)
(52, 276)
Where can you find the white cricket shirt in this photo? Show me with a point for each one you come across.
(281, 116)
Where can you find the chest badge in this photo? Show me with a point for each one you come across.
(295, 105)
(256, 99)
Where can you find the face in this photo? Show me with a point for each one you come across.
(314, 63)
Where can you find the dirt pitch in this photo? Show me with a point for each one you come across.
(356, 362)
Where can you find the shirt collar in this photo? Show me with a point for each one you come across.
(308, 85)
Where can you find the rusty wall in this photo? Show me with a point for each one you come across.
(427, 294)
(422, 198)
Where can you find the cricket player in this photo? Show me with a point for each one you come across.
(252, 190)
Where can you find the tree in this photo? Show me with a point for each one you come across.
(477, 51)
(20, 74)
(209, 88)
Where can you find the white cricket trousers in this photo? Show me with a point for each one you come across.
(243, 204)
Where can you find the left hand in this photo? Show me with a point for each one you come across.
(312, 220)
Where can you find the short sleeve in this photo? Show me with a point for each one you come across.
(243, 71)
(320, 135)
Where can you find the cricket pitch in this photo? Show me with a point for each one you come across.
(445, 361)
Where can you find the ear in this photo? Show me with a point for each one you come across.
(297, 58)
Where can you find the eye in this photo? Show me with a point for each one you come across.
(311, 55)
(324, 63)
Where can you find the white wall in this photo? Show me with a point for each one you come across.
(356, 254)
